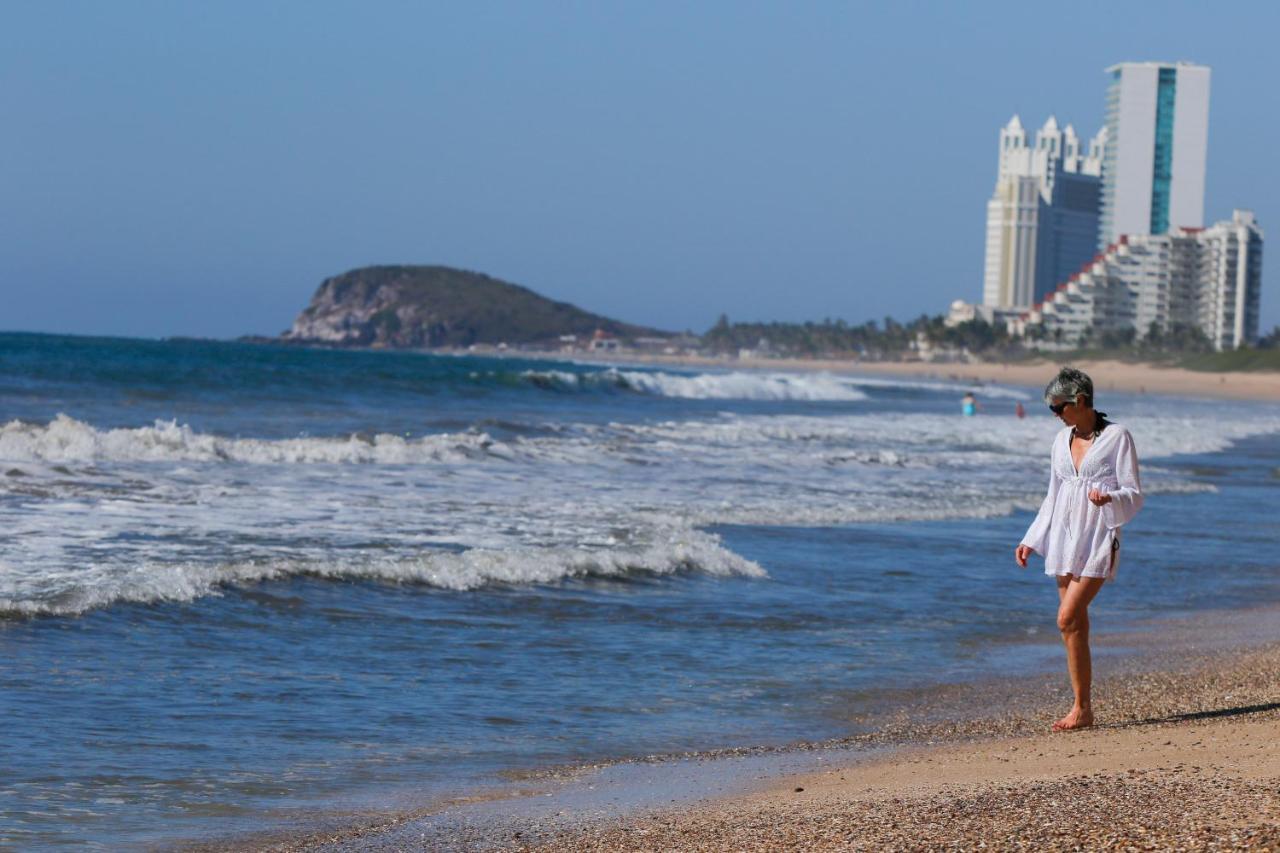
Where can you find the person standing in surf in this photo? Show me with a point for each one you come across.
(1094, 490)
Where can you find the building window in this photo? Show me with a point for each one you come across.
(1162, 165)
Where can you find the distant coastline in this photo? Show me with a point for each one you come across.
(1110, 375)
(1260, 385)
(444, 309)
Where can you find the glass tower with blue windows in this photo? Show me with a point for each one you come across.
(1162, 168)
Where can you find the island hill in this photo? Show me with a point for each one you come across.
(440, 307)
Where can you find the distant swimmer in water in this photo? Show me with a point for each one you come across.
(1018, 411)
(969, 404)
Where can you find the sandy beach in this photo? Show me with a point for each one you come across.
(1185, 760)
(1209, 784)
(1108, 376)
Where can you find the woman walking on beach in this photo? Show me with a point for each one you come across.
(1093, 490)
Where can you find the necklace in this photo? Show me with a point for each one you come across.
(1099, 421)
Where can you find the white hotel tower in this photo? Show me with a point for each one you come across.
(1042, 219)
(1158, 137)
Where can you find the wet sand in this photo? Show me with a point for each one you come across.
(1211, 785)
(1184, 759)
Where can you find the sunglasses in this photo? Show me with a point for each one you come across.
(1057, 408)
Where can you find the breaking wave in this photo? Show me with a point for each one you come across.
(70, 594)
(919, 440)
(91, 523)
(983, 391)
(810, 387)
(66, 439)
(754, 385)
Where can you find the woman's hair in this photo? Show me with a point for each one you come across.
(1067, 384)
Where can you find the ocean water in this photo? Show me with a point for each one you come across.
(245, 587)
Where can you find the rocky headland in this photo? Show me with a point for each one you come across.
(436, 306)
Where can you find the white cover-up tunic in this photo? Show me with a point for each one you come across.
(1074, 536)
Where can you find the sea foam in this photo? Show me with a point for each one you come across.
(66, 593)
(167, 513)
(66, 439)
(920, 440)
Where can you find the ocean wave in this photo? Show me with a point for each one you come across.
(66, 439)
(957, 387)
(808, 387)
(88, 588)
(912, 441)
(755, 385)
(942, 440)
(950, 504)
(885, 512)
(815, 387)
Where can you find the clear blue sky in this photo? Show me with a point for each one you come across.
(171, 168)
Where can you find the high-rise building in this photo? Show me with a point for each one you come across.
(1157, 139)
(1203, 278)
(1042, 219)
(1137, 197)
(1230, 272)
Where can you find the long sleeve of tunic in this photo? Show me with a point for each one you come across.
(1074, 536)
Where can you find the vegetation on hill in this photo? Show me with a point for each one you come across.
(436, 306)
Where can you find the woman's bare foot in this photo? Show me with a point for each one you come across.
(1077, 718)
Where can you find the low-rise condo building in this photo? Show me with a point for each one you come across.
(1203, 278)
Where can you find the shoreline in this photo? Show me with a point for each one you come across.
(1166, 783)
(1260, 386)
(1187, 757)
(549, 811)
(1179, 717)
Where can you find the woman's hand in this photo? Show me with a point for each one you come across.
(1098, 497)
(1021, 553)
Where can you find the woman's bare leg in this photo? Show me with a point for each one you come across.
(1074, 595)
